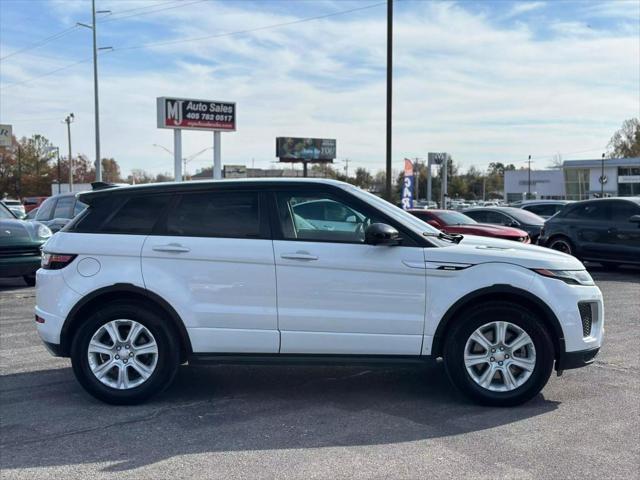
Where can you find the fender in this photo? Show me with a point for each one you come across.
(499, 292)
(124, 290)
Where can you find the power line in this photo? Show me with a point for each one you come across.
(227, 34)
(251, 30)
(42, 42)
(119, 16)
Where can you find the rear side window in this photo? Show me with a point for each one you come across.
(542, 210)
(137, 215)
(590, 211)
(621, 210)
(220, 214)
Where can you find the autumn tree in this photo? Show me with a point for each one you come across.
(625, 143)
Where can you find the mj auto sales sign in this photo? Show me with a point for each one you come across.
(190, 114)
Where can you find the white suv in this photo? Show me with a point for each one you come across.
(304, 271)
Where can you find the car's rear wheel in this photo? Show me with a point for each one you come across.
(124, 353)
(561, 244)
(499, 354)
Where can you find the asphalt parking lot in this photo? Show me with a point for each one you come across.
(299, 422)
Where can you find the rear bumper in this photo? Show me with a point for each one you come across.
(19, 266)
(55, 349)
(581, 358)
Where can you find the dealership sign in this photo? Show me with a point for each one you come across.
(291, 149)
(5, 136)
(190, 114)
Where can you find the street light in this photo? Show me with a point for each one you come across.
(69, 120)
(602, 179)
(95, 83)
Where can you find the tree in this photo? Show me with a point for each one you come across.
(110, 171)
(625, 143)
(363, 178)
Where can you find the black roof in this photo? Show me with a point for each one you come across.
(174, 187)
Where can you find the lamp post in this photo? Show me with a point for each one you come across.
(389, 96)
(69, 120)
(93, 28)
(529, 181)
(602, 178)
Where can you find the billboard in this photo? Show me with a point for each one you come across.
(190, 114)
(5, 136)
(408, 185)
(292, 149)
(436, 158)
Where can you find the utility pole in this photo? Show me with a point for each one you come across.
(602, 179)
(93, 27)
(346, 167)
(389, 91)
(69, 120)
(19, 187)
(529, 181)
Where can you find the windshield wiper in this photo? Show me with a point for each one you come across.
(451, 237)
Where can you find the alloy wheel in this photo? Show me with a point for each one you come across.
(499, 356)
(122, 354)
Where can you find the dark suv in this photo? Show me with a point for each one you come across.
(604, 230)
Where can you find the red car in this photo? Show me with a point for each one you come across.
(455, 222)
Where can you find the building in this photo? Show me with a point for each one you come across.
(576, 180)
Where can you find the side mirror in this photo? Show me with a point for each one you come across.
(381, 234)
(634, 218)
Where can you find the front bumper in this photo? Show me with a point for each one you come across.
(581, 358)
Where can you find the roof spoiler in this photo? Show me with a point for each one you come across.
(102, 185)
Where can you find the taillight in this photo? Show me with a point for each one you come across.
(56, 261)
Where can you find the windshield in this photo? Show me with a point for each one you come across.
(454, 218)
(5, 213)
(525, 216)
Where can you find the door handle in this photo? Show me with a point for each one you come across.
(299, 256)
(171, 248)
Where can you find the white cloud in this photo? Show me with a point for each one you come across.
(462, 84)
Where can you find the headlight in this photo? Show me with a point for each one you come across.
(572, 277)
(43, 231)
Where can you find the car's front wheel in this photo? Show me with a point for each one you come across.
(499, 354)
(124, 353)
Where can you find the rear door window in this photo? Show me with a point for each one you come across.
(542, 210)
(217, 214)
(595, 211)
(621, 210)
(138, 215)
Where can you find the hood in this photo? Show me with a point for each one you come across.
(16, 232)
(475, 250)
(486, 229)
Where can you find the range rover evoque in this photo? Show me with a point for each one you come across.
(305, 271)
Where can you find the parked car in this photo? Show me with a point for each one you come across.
(15, 206)
(20, 244)
(32, 214)
(56, 211)
(151, 276)
(604, 230)
(425, 204)
(449, 221)
(509, 217)
(31, 203)
(544, 208)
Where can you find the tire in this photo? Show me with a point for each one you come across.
(30, 279)
(146, 374)
(525, 384)
(562, 244)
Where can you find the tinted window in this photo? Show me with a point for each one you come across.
(455, 218)
(542, 210)
(339, 222)
(45, 211)
(525, 217)
(497, 218)
(621, 211)
(478, 216)
(589, 211)
(64, 207)
(138, 215)
(235, 215)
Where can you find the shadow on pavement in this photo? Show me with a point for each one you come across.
(48, 420)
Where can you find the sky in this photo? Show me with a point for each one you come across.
(484, 81)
